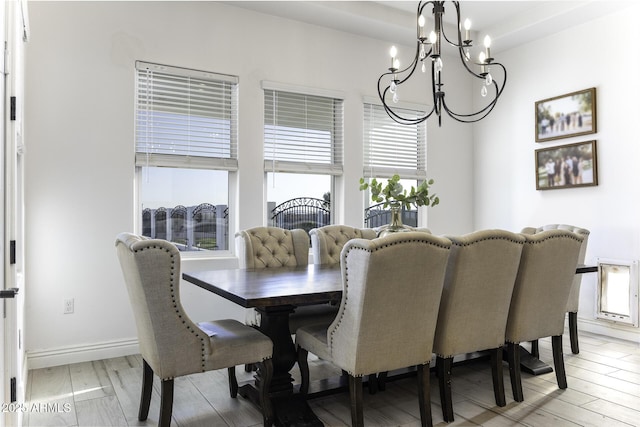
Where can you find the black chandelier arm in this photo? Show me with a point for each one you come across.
(382, 94)
(469, 118)
(422, 5)
(464, 63)
(459, 44)
(481, 114)
(397, 117)
(403, 120)
(411, 66)
(478, 115)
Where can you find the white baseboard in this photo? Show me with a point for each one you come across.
(609, 329)
(86, 353)
(81, 353)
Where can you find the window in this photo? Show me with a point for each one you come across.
(391, 148)
(186, 152)
(303, 136)
(617, 298)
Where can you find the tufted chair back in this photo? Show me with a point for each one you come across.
(327, 242)
(574, 296)
(264, 247)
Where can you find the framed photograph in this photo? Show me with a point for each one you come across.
(567, 115)
(567, 166)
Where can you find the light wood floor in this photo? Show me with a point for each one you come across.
(604, 390)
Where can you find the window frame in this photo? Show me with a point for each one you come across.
(372, 108)
(181, 161)
(334, 168)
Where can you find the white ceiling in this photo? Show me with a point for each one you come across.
(509, 23)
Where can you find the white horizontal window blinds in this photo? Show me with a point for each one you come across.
(302, 133)
(185, 118)
(390, 147)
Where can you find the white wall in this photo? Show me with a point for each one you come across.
(79, 138)
(594, 54)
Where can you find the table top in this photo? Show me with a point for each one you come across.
(272, 287)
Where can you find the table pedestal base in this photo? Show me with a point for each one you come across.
(290, 410)
(531, 364)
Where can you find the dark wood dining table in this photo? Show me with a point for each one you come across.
(275, 293)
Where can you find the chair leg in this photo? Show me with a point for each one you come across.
(424, 396)
(372, 382)
(145, 397)
(233, 382)
(558, 361)
(303, 364)
(535, 350)
(166, 403)
(513, 357)
(355, 392)
(573, 332)
(443, 369)
(496, 373)
(266, 368)
(382, 379)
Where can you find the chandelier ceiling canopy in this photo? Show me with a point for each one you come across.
(431, 39)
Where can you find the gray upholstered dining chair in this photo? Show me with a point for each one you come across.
(388, 313)
(269, 247)
(327, 242)
(171, 344)
(574, 297)
(539, 300)
(481, 273)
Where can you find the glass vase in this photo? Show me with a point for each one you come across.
(396, 225)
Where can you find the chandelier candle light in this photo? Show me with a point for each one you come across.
(428, 55)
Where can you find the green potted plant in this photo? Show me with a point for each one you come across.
(393, 195)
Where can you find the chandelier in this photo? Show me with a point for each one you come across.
(428, 56)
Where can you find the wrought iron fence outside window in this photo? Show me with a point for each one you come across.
(302, 212)
(192, 228)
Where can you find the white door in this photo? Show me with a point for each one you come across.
(14, 30)
(3, 371)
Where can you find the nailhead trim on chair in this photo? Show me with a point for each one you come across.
(567, 233)
(457, 243)
(177, 309)
(346, 279)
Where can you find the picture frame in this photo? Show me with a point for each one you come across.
(566, 116)
(567, 166)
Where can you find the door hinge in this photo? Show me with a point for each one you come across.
(14, 390)
(9, 293)
(12, 252)
(13, 108)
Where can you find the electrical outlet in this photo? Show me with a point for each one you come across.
(68, 306)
